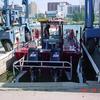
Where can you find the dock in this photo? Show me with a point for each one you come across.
(52, 86)
(38, 95)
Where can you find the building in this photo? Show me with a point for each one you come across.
(52, 6)
(15, 11)
(72, 9)
(62, 10)
(51, 14)
(15, 7)
(75, 9)
(32, 9)
(1, 3)
(97, 3)
(97, 8)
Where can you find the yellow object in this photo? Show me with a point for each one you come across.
(42, 19)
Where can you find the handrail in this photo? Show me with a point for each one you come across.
(19, 76)
(79, 71)
(42, 63)
(22, 61)
(92, 62)
(20, 64)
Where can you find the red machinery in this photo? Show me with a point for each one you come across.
(57, 54)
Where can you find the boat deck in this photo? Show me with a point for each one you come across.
(50, 86)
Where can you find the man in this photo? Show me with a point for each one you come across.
(72, 38)
(27, 34)
(46, 31)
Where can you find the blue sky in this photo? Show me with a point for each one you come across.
(43, 3)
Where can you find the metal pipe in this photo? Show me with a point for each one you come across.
(27, 10)
(85, 13)
(79, 71)
(89, 13)
(90, 59)
(19, 76)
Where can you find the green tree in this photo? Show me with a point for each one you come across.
(78, 16)
(40, 15)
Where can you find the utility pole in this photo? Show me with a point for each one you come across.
(99, 14)
(6, 8)
(27, 10)
(89, 11)
(25, 2)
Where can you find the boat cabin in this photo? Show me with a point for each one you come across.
(56, 58)
(52, 33)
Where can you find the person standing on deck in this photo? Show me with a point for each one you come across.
(37, 37)
(46, 31)
(27, 34)
(72, 38)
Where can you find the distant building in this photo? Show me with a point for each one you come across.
(52, 6)
(97, 8)
(32, 9)
(15, 7)
(51, 14)
(15, 11)
(97, 2)
(72, 9)
(1, 3)
(62, 10)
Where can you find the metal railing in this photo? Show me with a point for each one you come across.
(20, 64)
(92, 62)
(79, 71)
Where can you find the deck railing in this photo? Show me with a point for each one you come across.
(21, 64)
(97, 71)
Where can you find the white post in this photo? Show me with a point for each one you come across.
(6, 8)
(99, 14)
